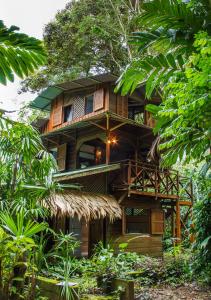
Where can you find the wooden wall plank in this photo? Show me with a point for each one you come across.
(157, 221)
(61, 157)
(146, 245)
(84, 238)
(99, 99)
(122, 106)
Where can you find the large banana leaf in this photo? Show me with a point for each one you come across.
(19, 54)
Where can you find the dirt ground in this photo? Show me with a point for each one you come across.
(185, 292)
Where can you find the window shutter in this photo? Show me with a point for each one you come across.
(57, 116)
(98, 99)
(157, 221)
(61, 157)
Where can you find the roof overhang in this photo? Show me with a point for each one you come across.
(85, 172)
(83, 205)
(44, 99)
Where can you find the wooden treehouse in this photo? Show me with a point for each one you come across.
(115, 193)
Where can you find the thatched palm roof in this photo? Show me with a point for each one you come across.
(83, 205)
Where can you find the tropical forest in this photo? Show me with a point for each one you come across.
(105, 163)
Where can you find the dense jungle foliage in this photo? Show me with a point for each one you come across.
(163, 44)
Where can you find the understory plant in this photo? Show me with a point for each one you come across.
(202, 226)
(173, 269)
(17, 249)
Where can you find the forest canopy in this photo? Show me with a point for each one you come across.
(87, 37)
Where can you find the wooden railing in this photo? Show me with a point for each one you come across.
(147, 179)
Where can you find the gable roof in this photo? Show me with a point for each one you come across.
(44, 99)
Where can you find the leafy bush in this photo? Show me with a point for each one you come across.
(173, 269)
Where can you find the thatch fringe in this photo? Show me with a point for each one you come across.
(83, 205)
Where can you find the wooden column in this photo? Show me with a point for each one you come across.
(123, 221)
(178, 223)
(173, 224)
(108, 141)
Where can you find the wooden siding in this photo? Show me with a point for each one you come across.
(84, 238)
(140, 243)
(122, 106)
(157, 221)
(99, 99)
(146, 244)
(118, 104)
(104, 99)
(71, 155)
(61, 157)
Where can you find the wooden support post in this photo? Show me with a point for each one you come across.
(129, 173)
(173, 223)
(123, 221)
(108, 141)
(178, 223)
(136, 163)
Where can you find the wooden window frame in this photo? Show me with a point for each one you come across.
(86, 96)
(124, 221)
(64, 107)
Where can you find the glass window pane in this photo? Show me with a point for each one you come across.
(89, 104)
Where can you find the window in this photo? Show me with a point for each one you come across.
(137, 220)
(89, 104)
(68, 113)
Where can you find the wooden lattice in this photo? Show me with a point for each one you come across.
(94, 184)
(78, 107)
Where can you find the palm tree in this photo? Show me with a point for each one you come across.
(19, 53)
(165, 43)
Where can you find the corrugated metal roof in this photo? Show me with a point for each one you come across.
(85, 172)
(44, 99)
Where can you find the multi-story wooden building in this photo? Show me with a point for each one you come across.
(101, 141)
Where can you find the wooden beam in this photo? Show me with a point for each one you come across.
(52, 141)
(123, 221)
(185, 203)
(97, 125)
(122, 197)
(117, 126)
(153, 194)
(68, 136)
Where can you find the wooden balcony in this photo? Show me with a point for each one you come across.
(149, 180)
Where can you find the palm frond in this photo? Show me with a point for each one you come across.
(19, 54)
(153, 71)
